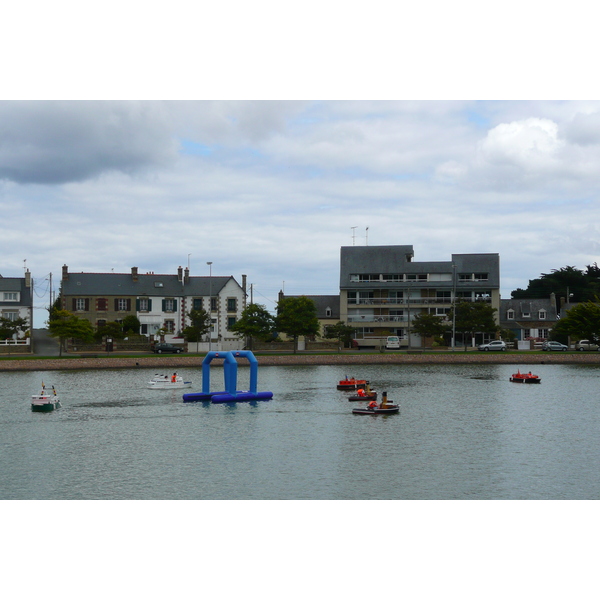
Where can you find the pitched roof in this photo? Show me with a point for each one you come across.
(123, 284)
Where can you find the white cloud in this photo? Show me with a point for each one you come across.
(272, 189)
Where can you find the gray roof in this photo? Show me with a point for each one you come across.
(530, 306)
(16, 284)
(398, 259)
(123, 284)
(322, 303)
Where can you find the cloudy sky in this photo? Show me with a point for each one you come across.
(272, 182)
(272, 189)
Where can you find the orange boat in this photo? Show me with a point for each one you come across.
(352, 384)
(519, 377)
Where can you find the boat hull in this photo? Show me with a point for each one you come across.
(390, 410)
(525, 380)
(167, 385)
(365, 398)
(44, 404)
(352, 384)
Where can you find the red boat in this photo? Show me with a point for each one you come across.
(519, 377)
(367, 394)
(352, 384)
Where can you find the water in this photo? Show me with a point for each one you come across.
(464, 432)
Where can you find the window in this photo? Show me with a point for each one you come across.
(480, 276)
(81, 304)
(121, 304)
(10, 315)
(526, 314)
(197, 303)
(100, 323)
(231, 304)
(169, 305)
(444, 296)
(442, 311)
(464, 277)
(542, 315)
(170, 326)
(328, 311)
(510, 314)
(526, 333)
(101, 304)
(230, 321)
(543, 333)
(213, 304)
(143, 304)
(11, 296)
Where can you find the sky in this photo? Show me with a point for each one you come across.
(272, 189)
(263, 139)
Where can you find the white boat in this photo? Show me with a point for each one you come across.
(45, 401)
(168, 382)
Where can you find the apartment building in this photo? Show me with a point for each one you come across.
(382, 288)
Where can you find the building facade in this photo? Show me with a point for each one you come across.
(16, 302)
(382, 289)
(160, 302)
(529, 319)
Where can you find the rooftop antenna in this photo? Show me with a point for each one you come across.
(367, 236)
(353, 233)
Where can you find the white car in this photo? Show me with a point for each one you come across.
(586, 345)
(493, 345)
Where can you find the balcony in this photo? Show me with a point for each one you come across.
(411, 301)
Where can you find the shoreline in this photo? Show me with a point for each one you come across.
(164, 362)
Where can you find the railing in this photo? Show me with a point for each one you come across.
(405, 301)
(24, 342)
(377, 318)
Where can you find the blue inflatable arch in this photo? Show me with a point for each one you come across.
(231, 393)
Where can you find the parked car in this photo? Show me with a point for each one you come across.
(554, 346)
(493, 345)
(586, 345)
(163, 348)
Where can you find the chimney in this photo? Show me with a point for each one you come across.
(244, 284)
(186, 275)
(65, 273)
(553, 301)
(134, 273)
(27, 279)
(179, 274)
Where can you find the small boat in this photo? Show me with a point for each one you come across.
(366, 394)
(45, 401)
(377, 409)
(168, 382)
(390, 409)
(352, 384)
(519, 377)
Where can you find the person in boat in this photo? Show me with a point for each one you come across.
(372, 404)
(360, 392)
(174, 378)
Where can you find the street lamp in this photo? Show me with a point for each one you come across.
(453, 306)
(209, 263)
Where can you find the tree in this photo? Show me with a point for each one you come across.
(200, 325)
(11, 327)
(581, 322)
(427, 325)
(255, 322)
(65, 324)
(112, 329)
(341, 332)
(131, 324)
(296, 316)
(567, 282)
(473, 317)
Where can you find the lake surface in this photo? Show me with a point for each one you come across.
(463, 432)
